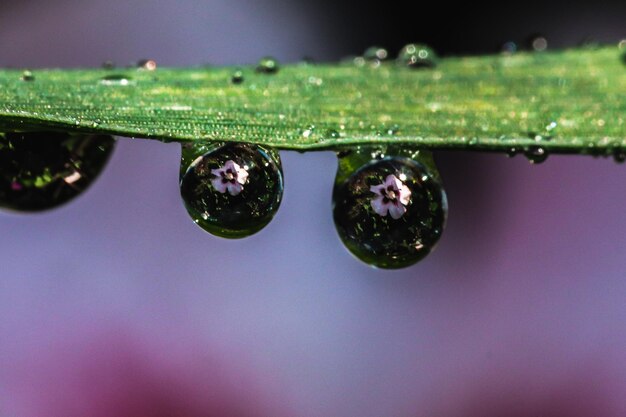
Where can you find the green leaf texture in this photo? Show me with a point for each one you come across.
(571, 101)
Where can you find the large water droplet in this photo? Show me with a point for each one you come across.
(267, 65)
(417, 56)
(231, 190)
(43, 170)
(390, 212)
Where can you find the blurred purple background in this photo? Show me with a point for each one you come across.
(118, 303)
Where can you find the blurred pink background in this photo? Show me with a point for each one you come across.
(118, 305)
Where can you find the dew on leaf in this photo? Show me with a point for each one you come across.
(389, 212)
(417, 56)
(375, 53)
(147, 64)
(509, 48)
(115, 79)
(267, 65)
(536, 154)
(43, 170)
(333, 134)
(28, 76)
(231, 190)
(237, 77)
(537, 43)
(619, 155)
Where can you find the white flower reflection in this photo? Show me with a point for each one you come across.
(231, 177)
(392, 197)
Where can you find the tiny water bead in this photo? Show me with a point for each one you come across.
(536, 154)
(116, 79)
(417, 56)
(237, 77)
(43, 170)
(28, 76)
(267, 65)
(147, 64)
(231, 190)
(375, 53)
(537, 43)
(390, 212)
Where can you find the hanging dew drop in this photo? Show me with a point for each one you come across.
(43, 170)
(390, 212)
(536, 154)
(231, 190)
(417, 56)
(333, 134)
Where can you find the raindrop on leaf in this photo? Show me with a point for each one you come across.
(267, 65)
(417, 56)
(231, 190)
(536, 154)
(43, 170)
(147, 64)
(237, 77)
(375, 53)
(28, 76)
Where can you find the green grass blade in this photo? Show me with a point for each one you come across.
(571, 101)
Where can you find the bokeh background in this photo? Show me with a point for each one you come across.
(118, 305)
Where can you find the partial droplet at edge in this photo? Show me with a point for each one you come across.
(83, 157)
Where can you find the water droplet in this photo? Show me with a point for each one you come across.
(536, 154)
(308, 131)
(417, 56)
(267, 65)
(237, 77)
(147, 64)
(333, 134)
(43, 170)
(391, 212)
(231, 190)
(393, 130)
(537, 43)
(28, 76)
(509, 48)
(115, 79)
(511, 152)
(375, 53)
